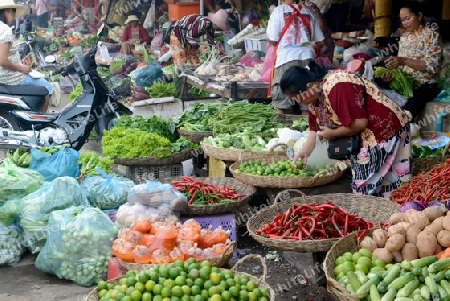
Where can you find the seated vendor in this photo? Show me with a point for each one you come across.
(75, 22)
(133, 34)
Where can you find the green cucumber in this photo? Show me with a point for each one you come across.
(443, 294)
(417, 271)
(353, 280)
(374, 293)
(407, 290)
(406, 265)
(393, 273)
(350, 289)
(403, 299)
(425, 292)
(440, 265)
(390, 295)
(424, 262)
(401, 281)
(439, 276)
(366, 286)
(433, 288)
(445, 285)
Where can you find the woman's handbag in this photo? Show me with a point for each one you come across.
(342, 148)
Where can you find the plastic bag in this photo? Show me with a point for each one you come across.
(252, 58)
(9, 212)
(102, 56)
(35, 208)
(319, 156)
(365, 48)
(16, 182)
(395, 96)
(155, 194)
(288, 136)
(150, 18)
(157, 41)
(62, 163)
(146, 76)
(269, 63)
(128, 214)
(78, 246)
(106, 191)
(12, 245)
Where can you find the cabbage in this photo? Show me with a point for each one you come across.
(415, 204)
(443, 206)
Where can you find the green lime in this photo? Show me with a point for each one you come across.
(142, 277)
(195, 290)
(251, 285)
(215, 270)
(163, 271)
(146, 296)
(365, 252)
(216, 297)
(175, 298)
(149, 285)
(361, 267)
(129, 290)
(102, 292)
(197, 298)
(177, 291)
(378, 262)
(166, 292)
(154, 276)
(191, 260)
(356, 256)
(257, 292)
(174, 272)
(136, 295)
(126, 298)
(226, 296)
(364, 260)
(193, 266)
(200, 282)
(215, 278)
(194, 274)
(161, 280)
(139, 286)
(252, 296)
(348, 256)
(109, 286)
(169, 283)
(189, 282)
(186, 298)
(157, 298)
(213, 290)
(204, 272)
(179, 263)
(206, 263)
(114, 294)
(208, 284)
(204, 294)
(234, 291)
(131, 273)
(180, 280)
(102, 285)
(157, 289)
(120, 296)
(121, 281)
(243, 295)
(265, 292)
(186, 290)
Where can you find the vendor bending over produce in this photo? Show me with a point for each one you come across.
(419, 54)
(133, 34)
(340, 104)
(182, 38)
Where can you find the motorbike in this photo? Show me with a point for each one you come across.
(22, 126)
(30, 50)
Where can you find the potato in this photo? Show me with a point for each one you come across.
(435, 226)
(369, 243)
(446, 222)
(380, 236)
(399, 228)
(409, 215)
(411, 234)
(409, 251)
(426, 244)
(383, 254)
(395, 242)
(433, 213)
(443, 238)
(398, 257)
(396, 218)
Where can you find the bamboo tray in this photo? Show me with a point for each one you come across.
(235, 154)
(153, 160)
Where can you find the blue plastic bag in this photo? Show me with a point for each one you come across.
(147, 75)
(62, 163)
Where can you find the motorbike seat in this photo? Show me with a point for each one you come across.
(23, 90)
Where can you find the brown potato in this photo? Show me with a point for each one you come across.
(433, 213)
(383, 254)
(411, 234)
(395, 242)
(380, 236)
(396, 218)
(417, 218)
(397, 229)
(443, 238)
(446, 222)
(369, 243)
(409, 251)
(398, 257)
(426, 244)
(435, 226)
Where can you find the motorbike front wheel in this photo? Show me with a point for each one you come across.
(7, 122)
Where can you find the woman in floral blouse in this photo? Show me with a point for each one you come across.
(420, 54)
(341, 104)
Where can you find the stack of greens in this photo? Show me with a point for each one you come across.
(155, 124)
(247, 141)
(402, 82)
(196, 117)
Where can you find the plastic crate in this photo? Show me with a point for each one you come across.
(180, 9)
(256, 43)
(140, 174)
(226, 221)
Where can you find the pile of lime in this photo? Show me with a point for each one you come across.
(183, 281)
(283, 168)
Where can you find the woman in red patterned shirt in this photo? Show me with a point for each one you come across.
(340, 104)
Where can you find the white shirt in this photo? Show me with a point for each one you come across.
(8, 77)
(301, 50)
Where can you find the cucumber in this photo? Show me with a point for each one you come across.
(425, 292)
(390, 295)
(353, 280)
(439, 276)
(366, 286)
(417, 271)
(401, 281)
(362, 278)
(445, 285)
(403, 299)
(433, 287)
(440, 265)
(406, 265)
(408, 288)
(447, 274)
(443, 294)
(350, 289)
(393, 273)
(374, 294)
(424, 262)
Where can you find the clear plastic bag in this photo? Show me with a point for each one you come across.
(156, 194)
(102, 56)
(128, 214)
(79, 244)
(62, 163)
(11, 245)
(35, 208)
(16, 182)
(9, 212)
(319, 156)
(106, 191)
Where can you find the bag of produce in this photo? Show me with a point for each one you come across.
(155, 194)
(128, 214)
(79, 244)
(106, 191)
(9, 212)
(60, 164)
(35, 208)
(146, 76)
(16, 182)
(11, 245)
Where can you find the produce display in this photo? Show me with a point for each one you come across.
(424, 151)
(155, 124)
(368, 278)
(284, 168)
(90, 160)
(19, 157)
(425, 187)
(157, 243)
(401, 82)
(125, 68)
(155, 194)
(190, 280)
(314, 222)
(243, 140)
(301, 124)
(196, 117)
(202, 193)
(127, 214)
(160, 89)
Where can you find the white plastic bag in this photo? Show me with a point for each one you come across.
(150, 18)
(319, 156)
(102, 56)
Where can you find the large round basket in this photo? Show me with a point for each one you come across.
(287, 182)
(238, 186)
(373, 209)
(421, 165)
(236, 154)
(217, 261)
(195, 137)
(153, 160)
(261, 281)
(345, 244)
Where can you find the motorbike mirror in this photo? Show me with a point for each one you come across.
(50, 59)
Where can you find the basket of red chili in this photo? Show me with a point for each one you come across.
(315, 223)
(211, 195)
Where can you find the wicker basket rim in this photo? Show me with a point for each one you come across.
(236, 154)
(152, 160)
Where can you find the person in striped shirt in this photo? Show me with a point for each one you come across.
(185, 31)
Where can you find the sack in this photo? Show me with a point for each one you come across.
(62, 163)
(102, 56)
(342, 148)
(147, 75)
(269, 63)
(157, 41)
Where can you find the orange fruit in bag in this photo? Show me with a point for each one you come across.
(147, 240)
(216, 237)
(142, 225)
(130, 235)
(123, 249)
(142, 254)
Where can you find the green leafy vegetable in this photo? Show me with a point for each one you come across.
(198, 92)
(159, 89)
(246, 140)
(76, 92)
(90, 160)
(130, 143)
(183, 144)
(195, 118)
(155, 124)
(402, 82)
(301, 124)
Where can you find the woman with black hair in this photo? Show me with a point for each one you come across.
(340, 104)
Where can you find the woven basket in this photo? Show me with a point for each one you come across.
(373, 209)
(285, 182)
(239, 187)
(261, 281)
(345, 244)
(421, 165)
(235, 154)
(217, 261)
(195, 137)
(152, 160)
